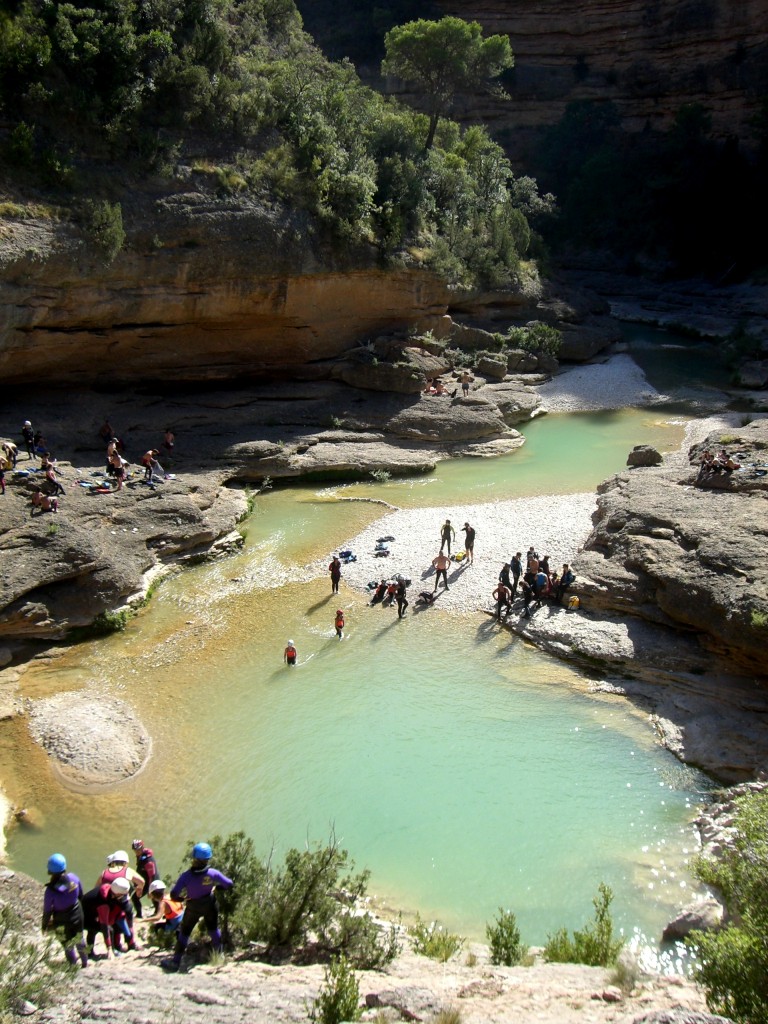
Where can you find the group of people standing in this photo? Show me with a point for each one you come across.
(112, 906)
(537, 583)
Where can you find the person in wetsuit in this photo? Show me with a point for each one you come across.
(63, 908)
(146, 866)
(197, 888)
(106, 908)
(117, 867)
(400, 597)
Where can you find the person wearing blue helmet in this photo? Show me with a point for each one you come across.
(63, 909)
(197, 887)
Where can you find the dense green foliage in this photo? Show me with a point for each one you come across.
(237, 91)
(339, 999)
(678, 200)
(732, 963)
(504, 939)
(307, 906)
(594, 945)
(28, 970)
(443, 57)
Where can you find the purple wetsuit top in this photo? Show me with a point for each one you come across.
(197, 883)
(62, 894)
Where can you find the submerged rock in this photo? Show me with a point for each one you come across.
(93, 740)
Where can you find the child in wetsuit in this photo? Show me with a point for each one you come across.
(339, 623)
(289, 654)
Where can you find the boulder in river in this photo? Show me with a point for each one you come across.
(93, 740)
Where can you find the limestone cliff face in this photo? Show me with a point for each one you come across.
(204, 290)
(647, 56)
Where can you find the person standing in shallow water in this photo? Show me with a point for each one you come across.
(339, 623)
(400, 597)
(289, 654)
(447, 533)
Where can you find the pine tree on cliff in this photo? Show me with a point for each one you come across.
(441, 58)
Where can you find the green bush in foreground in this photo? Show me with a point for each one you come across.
(308, 906)
(339, 999)
(28, 971)
(733, 963)
(594, 945)
(504, 939)
(434, 941)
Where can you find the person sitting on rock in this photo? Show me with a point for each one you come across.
(526, 588)
(707, 465)
(168, 913)
(379, 593)
(540, 586)
(44, 502)
(50, 476)
(566, 579)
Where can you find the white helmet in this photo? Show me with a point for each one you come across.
(120, 887)
(156, 885)
(118, 857)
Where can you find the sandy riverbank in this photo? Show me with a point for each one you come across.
(556, 525)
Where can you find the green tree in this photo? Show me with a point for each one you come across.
(443, 57)
(732, 964)
(595, 944)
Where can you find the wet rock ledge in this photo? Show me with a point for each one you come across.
(673, 583)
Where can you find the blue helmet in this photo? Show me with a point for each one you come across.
(57, 863)
(202, 851)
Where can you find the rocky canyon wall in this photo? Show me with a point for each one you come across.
(648, 57)
(203, 290)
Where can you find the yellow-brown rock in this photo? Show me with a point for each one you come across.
(218, 292)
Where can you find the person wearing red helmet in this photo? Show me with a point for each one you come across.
(146, 866)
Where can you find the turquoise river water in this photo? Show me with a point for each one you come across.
(465, 769)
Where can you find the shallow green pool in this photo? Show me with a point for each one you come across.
(465, 769)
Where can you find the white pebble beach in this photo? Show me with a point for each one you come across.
(555, 525)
